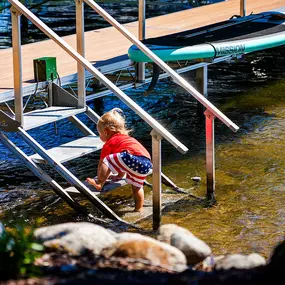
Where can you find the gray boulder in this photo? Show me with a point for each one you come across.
(131, 236)
(138, 247)
(239, 261)
(75, 238)
(194, 249)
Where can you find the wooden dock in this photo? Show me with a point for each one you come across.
(108, 43)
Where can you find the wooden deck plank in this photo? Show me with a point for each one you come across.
(108, 43)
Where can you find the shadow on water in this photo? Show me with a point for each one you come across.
(249, 216)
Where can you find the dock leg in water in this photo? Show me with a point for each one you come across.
(155, 75)
(202, 86)
(210, 156)
(156, 177)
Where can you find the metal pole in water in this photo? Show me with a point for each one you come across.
(243, 8)
(156, 177)
(17, 64)
(81, 50)
(210, 155)
(141, 21)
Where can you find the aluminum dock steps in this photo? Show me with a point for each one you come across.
(64, 105)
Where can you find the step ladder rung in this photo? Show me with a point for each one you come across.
(72, 150)
(47, 115)
(109, 186)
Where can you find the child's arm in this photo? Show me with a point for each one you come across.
(99, 166)
(119, 176)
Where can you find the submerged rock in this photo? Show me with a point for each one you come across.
(76, 238)
(194, 249)
(196, 178)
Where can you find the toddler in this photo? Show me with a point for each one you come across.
(122, 155)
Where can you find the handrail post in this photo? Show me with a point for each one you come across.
(243, 8)
(156, 179)
(50, 97)
(140, 69)
(17, 64)
(202, 86)
(210, 155)
(81, 50)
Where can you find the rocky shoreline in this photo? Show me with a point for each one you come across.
(86, 252)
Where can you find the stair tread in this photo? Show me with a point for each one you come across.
(125, 211)
(72, 150)
(44, 116)
(109, 186)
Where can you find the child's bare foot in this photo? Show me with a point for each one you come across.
(92, 182)
(140, 210)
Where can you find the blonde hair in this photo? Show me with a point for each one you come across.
(114, 121)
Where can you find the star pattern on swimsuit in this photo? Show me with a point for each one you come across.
(138, 164)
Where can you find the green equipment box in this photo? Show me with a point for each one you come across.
(45, 69)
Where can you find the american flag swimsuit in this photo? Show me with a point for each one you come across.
(137, 168)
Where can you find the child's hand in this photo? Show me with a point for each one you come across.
(117, 177)
(114, 177)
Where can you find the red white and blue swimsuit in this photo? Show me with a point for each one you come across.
(122, 153)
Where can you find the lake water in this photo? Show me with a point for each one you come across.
(249, 215)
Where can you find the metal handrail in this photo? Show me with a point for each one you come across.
(120, 94)
(176, 77)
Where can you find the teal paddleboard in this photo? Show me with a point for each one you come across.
(233, 37)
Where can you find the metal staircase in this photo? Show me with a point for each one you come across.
(63, 105)
(56, 156)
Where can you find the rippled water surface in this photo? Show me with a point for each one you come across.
(249, 215)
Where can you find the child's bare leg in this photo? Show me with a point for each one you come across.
(103, 174)
(138, 194)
